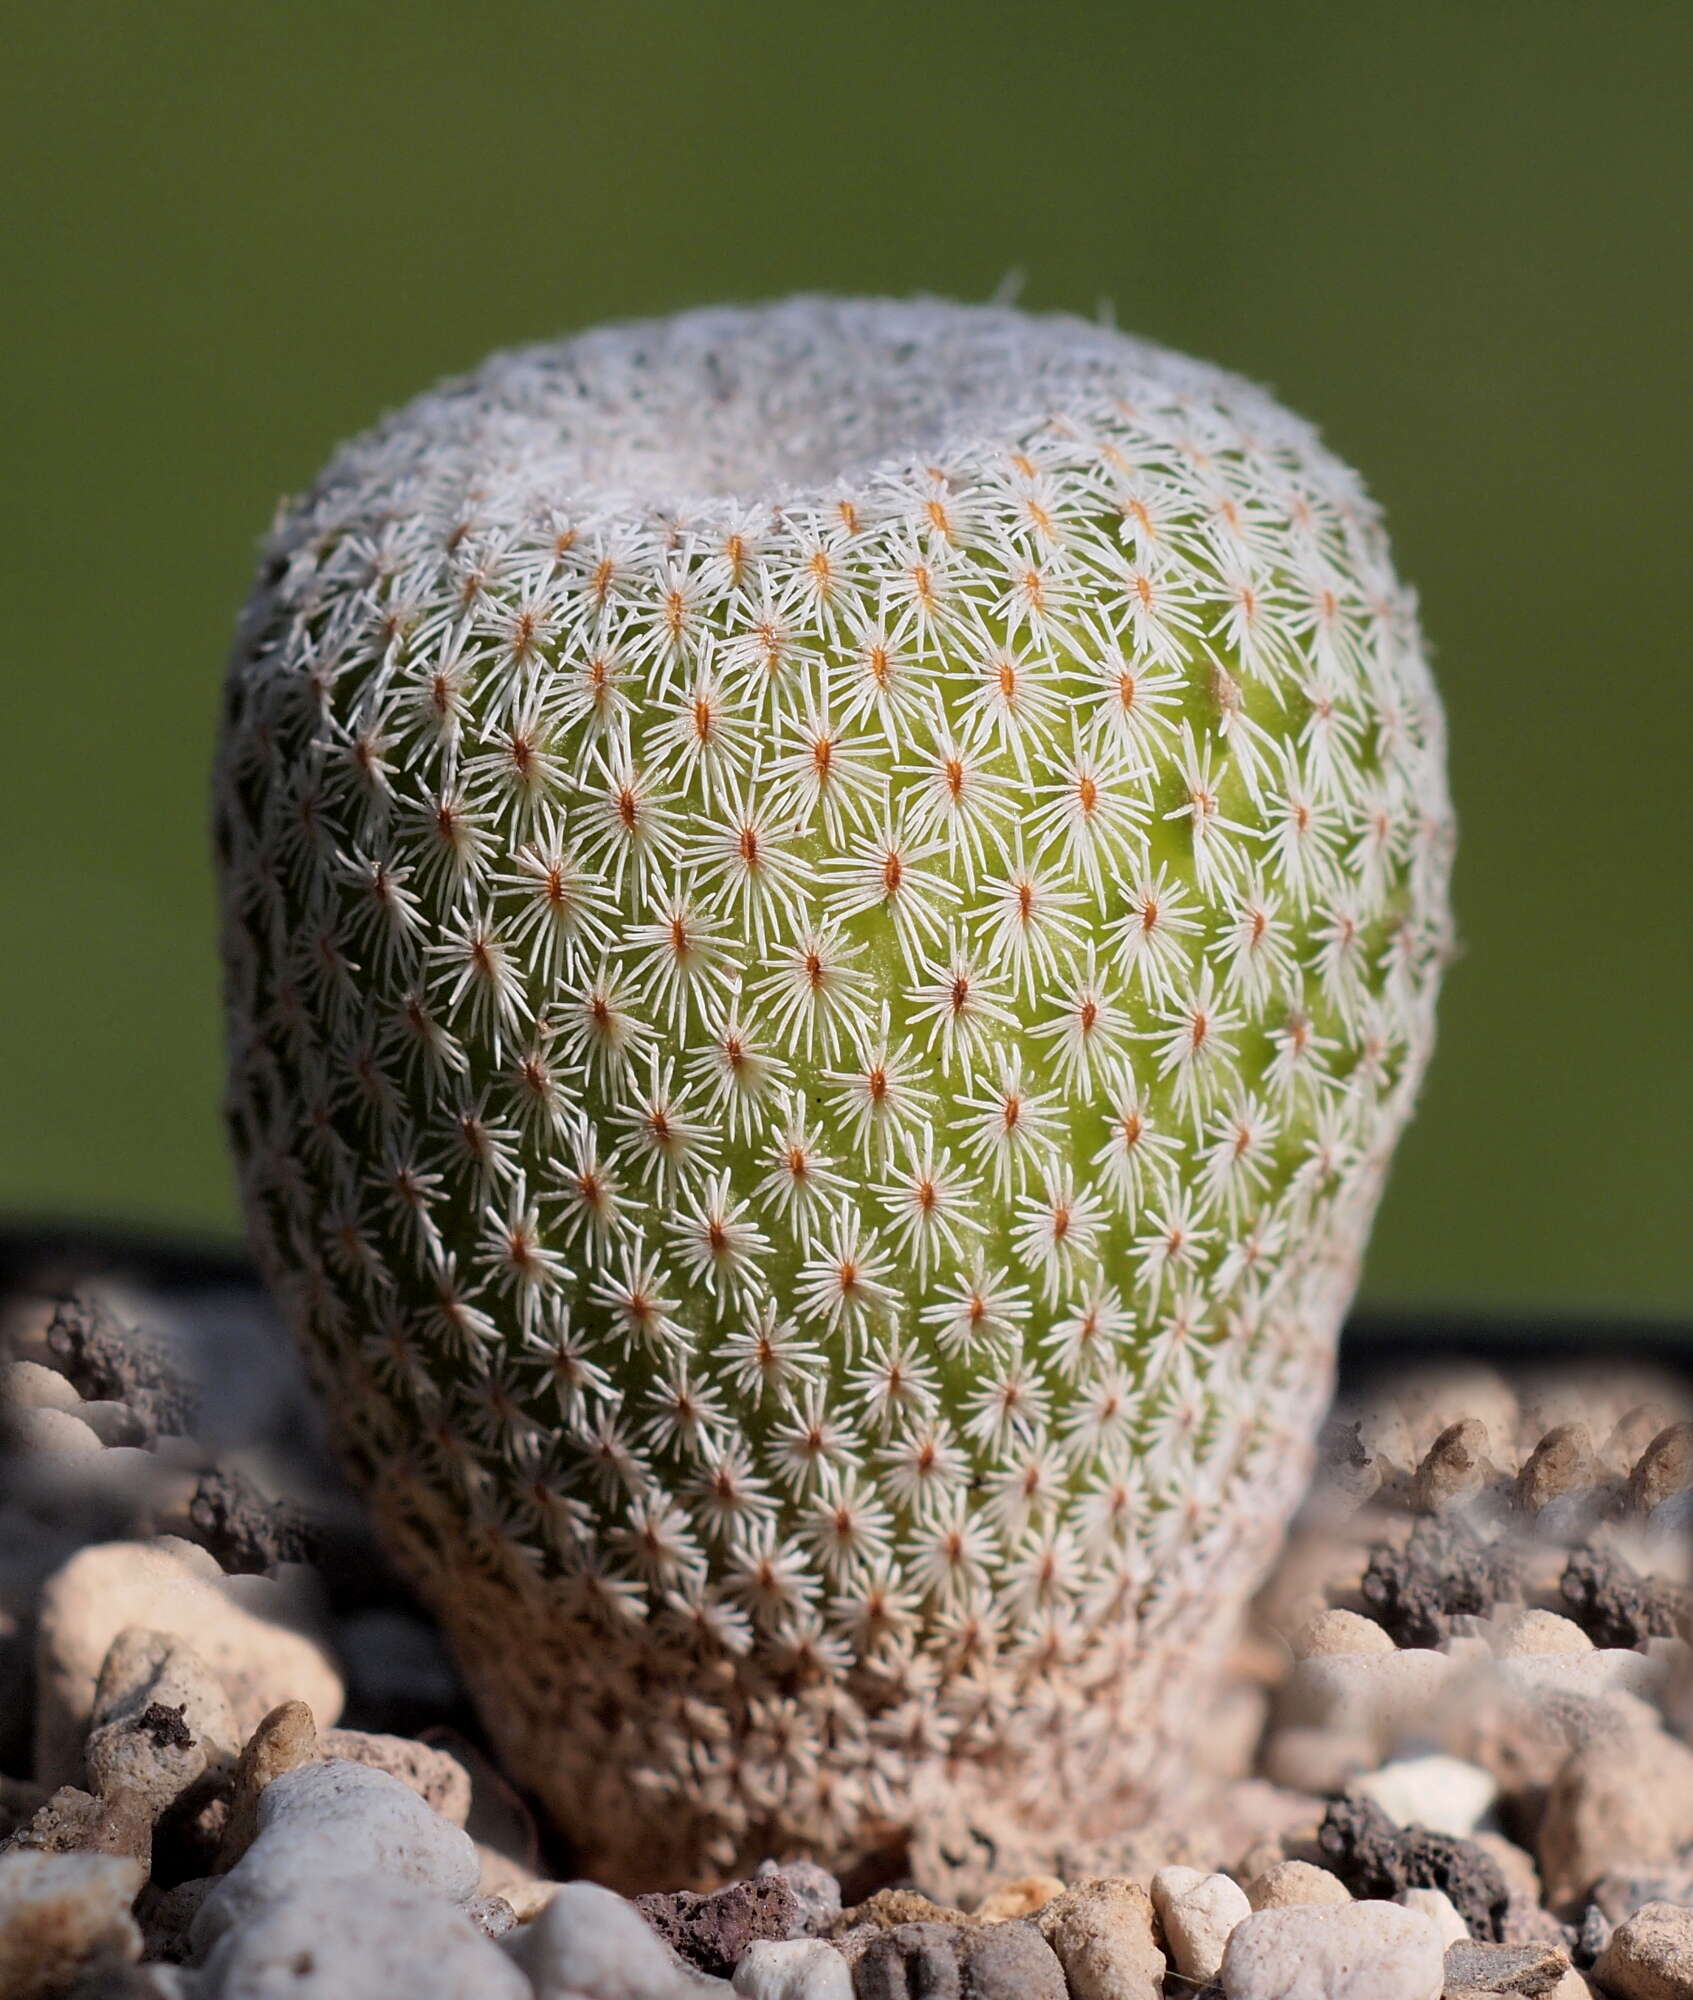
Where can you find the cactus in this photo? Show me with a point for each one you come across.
(831, 912)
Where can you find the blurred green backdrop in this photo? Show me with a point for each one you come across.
(1457, 235)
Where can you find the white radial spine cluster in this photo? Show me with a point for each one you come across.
(812, 1067)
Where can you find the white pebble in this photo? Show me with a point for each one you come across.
(1440, 1909)
(589, 1944)
(354, 1935)
(325, 1820)
(1534, 1631)
(49, 1433)
(1444, 1794)
(26, 1385)
(792, 1969)
(1198, 1911)
(1331, 1951)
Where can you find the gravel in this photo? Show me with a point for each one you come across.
(1479, 1630)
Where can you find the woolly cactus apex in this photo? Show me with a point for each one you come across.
(831, 913)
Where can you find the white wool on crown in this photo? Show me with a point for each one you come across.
(831, 912)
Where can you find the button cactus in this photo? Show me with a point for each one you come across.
(831, 912)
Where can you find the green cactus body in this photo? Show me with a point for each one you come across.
(831, 914)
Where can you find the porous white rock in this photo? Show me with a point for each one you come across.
(1532, 1630)
(1444, 1794)
(357, 1936)
(1198, 1911)
(590, 1944)
(1322, 1951)
(260, 1639)
(792, 1969)
(148, 1678)
(333, 1818)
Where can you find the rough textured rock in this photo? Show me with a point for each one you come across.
(1618, 1802)
(1614, 1604)
(358, 1934)
(107, 1361)
(336, 1819)
(161, 1719)
(898, 1906)
(1444, 1569)
(815, 1889)
(589, 1944)
(1474, 1970)
(70, 1821)
(713, 1931)
(1376, 1859)
(1651, 1956)
(285, 1739)
(1286, 1883)
(1102, 1934)
(60, 1913)
(245, 1529)
(259, 1640)
(1444, 1794)
(1197, 1912)
(793, 1969)
(1326, 1952)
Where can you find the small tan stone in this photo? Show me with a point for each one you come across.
(1440, 1910)
(1634, 1431)
(1103, 1935)
(283, 1741)
(161, 1719)
(50, 1433)
(1455, 1468)
(1337, 1630)
(896, 1906)
(1021, 1898)
(1650, 1957)
(1197, 1911)
(1663, 1468)
(1562, 1462)
(1285, 1883)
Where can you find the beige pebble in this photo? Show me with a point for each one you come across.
(26, 1385)
(1634, 1431)
(1337, 1630)
(50, 1433)
(1021, 1898)
(1198, 1911)
(1287, 1882)
(1650, 1957)
(438, 1778)
(1535, 1631)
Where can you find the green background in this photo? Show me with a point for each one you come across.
(1456, 235)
